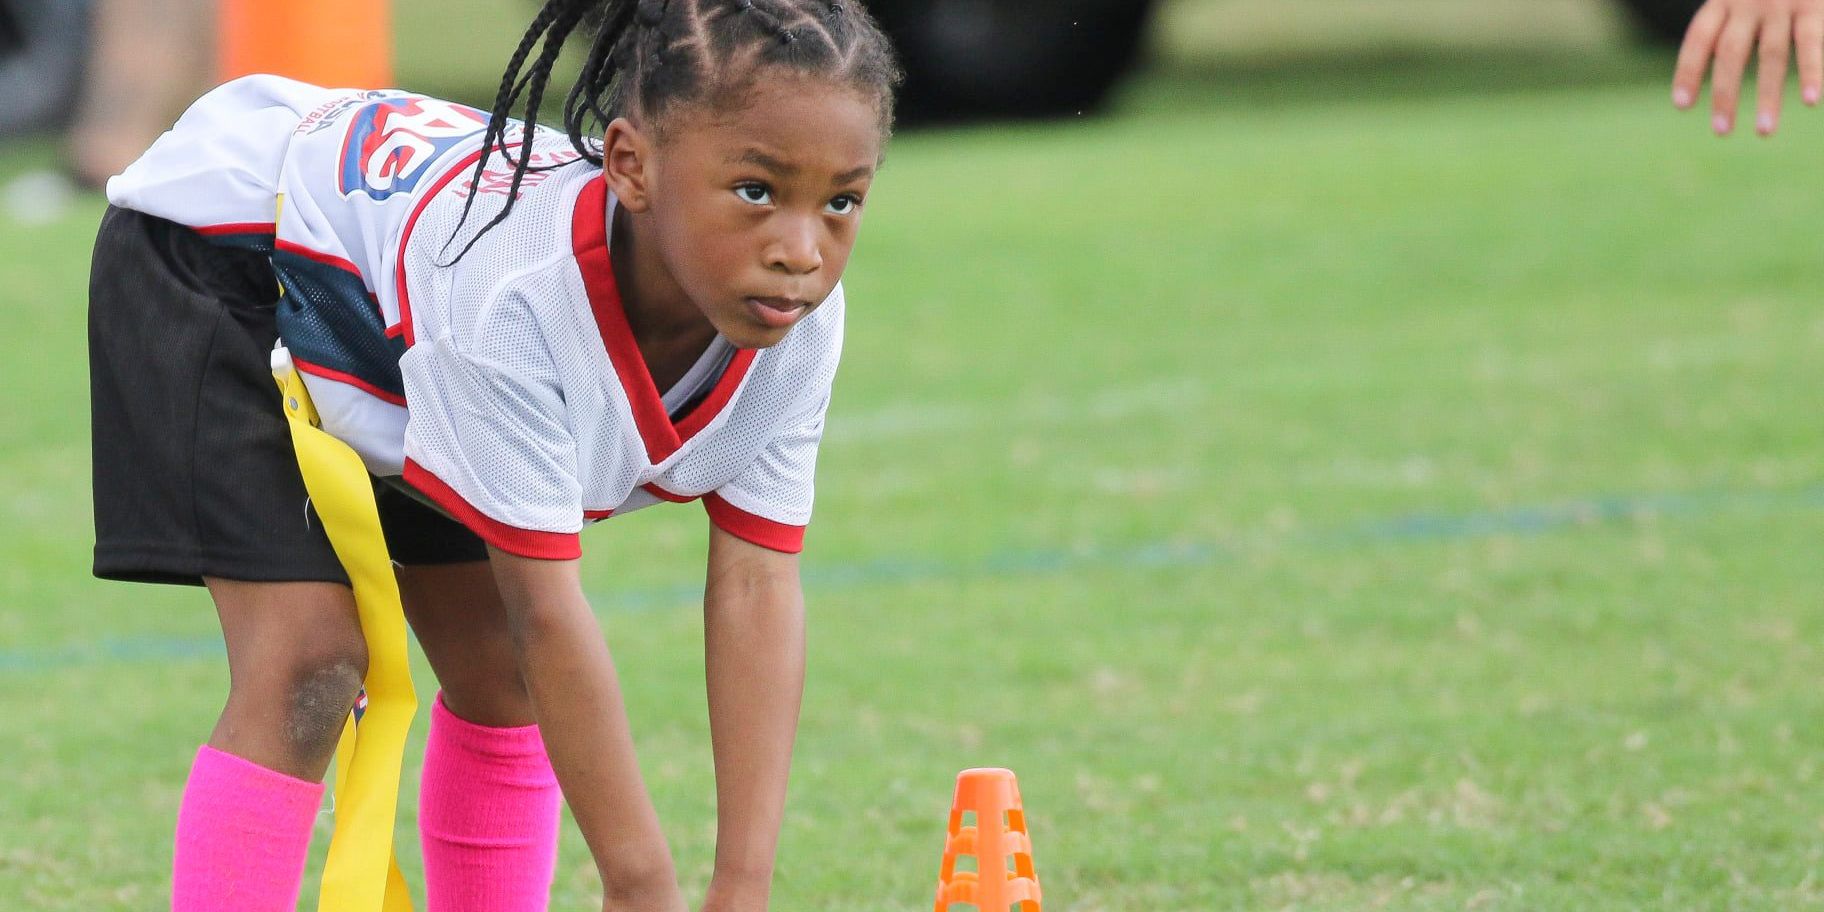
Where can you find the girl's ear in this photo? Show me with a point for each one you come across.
(626, 164)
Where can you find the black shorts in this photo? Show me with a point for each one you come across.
(194, 470)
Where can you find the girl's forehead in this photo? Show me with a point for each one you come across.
(783, 126)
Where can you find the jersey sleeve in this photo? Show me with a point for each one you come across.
(769, 503)
(487, 442)
(217, 169)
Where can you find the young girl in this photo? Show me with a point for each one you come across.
(520, 332)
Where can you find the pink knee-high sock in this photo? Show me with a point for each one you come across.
(488, 809)
(242, 833)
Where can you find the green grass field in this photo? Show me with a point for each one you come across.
(1329, 487)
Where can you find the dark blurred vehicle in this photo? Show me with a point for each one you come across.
(1011, 58)
(1043, 58)
(41, 55)
(12, 34)
(1664, 20)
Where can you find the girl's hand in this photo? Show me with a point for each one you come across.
(730, 906)
(661, 901)
(727, 903)
(1729, 30)
(753, 644)
(734, 894)
(576, 697)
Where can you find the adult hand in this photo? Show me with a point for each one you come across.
(1722, 37)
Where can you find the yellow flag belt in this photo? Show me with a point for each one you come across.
(362, 873)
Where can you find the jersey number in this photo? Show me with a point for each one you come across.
(391, 144)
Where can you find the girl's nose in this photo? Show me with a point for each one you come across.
(795, 251)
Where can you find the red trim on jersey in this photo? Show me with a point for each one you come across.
(511, 539)
(665, 495)
(589, 238)
(597, 514)
(328, 373)
(411, 222)
(327, 259)
(236, 228)
(701, 414)
(396, 330)
(649, 415)
(758, 530)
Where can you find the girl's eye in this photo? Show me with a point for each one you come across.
(755, 194)
(844, 205)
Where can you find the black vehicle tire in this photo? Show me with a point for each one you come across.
(1022, 58)
(12, 34)
(40, 63)
(1663, 21)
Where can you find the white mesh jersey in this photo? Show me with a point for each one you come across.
(507, 388)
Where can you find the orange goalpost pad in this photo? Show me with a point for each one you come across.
(332, 43)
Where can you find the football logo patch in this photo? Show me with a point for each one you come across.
(392, 143)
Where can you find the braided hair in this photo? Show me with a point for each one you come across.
(652, 57)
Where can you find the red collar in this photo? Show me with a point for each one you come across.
(663, 437)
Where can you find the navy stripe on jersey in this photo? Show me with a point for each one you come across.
(330, 323)
(235, 236)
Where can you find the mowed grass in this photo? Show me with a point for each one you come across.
(1399, 488)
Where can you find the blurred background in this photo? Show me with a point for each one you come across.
(74, 65)
(1344, 454)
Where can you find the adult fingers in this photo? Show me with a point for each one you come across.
(1776, 54)
(1732, 50)
(1694, 54)
(1808, 39)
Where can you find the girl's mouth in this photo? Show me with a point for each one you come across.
(777, 313)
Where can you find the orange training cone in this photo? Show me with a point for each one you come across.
(345, 44)
(1003, 879)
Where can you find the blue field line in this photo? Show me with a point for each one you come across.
(109, 651)
(1411, 528)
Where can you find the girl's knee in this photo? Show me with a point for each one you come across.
(296, 661)
(320, 693)
(296, 701)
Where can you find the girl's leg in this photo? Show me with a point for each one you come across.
(489, 802)
(295, 663)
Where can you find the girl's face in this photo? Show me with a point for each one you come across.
(754, 211)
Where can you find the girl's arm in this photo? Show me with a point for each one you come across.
(577, 700)
(1730, 31)
(754, 652)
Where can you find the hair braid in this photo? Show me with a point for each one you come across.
(773, 23)
(553, 24)
(586, 98)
